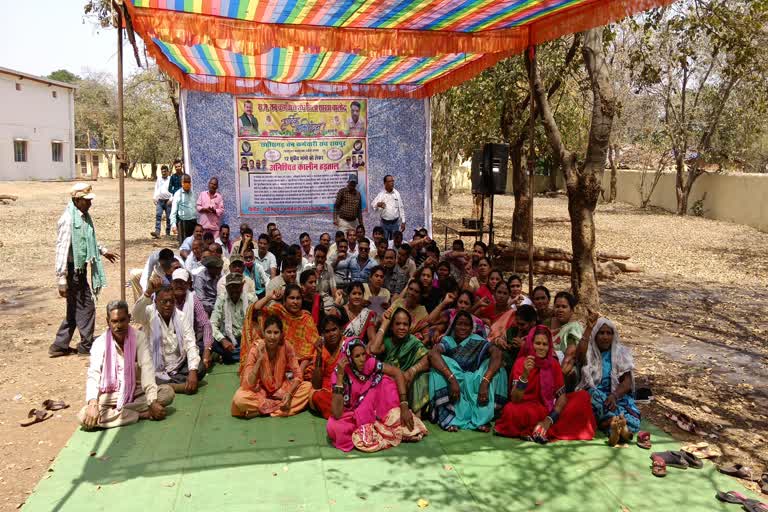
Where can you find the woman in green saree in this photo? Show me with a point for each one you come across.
(396, 346)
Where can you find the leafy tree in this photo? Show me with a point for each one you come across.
(693, 57)
(62, 75)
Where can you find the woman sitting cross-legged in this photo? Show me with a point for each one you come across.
(466, 384)
(270, 383)
(369, 409)
(538, 406)
(328, 354)
(607, 377)
(396, 346)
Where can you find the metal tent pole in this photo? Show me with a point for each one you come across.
(531, 167)
(121, 146)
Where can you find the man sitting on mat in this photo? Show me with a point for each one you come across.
(172, 340)
(115, 393)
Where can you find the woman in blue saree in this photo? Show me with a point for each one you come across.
(467, 385)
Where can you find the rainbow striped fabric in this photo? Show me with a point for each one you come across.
(374, 48)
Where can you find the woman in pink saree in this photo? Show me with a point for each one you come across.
(369, 408)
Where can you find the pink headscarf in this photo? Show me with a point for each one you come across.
(546, 365)
(109, 379)
(358, 383)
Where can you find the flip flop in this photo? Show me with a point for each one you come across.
(672, 459)
(644, 440)
(754, 506)
(764, 483)
(731, 497)
(658, 466)
(737, 471)
(693, 461)
(55, 405)
(37, 415)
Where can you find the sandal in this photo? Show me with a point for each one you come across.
(737, 471)
(658, 467)
(672, 459)
(693, 461)
(484, 428)
(644, 440)
(37, 415)
(764, 483)
(55, 405)
(451, 428)
(731, 497)
(754, 506)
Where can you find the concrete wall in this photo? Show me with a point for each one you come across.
(85, 169)
(733, 197)
(35, 115)
(398, 144)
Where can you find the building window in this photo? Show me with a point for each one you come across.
(54, 94)
(83, 166)
(19, 151)
(57, 151)
(18, 87)
(95, 162)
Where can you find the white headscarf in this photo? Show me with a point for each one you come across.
(621, 359)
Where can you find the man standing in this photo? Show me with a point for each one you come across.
(120, 388)
(178, 172)
(76, 249)
(390, 207)
(162, 198)
(210, 206)
(348, 208)
(183, 213)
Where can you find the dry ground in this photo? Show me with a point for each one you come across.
(695, 318)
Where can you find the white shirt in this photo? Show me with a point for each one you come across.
(144, 376)
(393, 205)
(192, 263)
(268, 262)
(161, 188)
(144, 312)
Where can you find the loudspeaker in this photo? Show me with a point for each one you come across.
(479, 184)
(495, 160)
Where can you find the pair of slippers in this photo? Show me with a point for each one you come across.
(737, 498)
(40, 415)
(680, 459)
(745, 473)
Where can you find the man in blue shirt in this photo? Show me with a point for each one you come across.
(360, 266)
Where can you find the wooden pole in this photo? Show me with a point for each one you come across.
(121, 146)
(531, 167)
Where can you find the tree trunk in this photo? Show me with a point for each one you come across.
(583, 185)
(553, 179)
(446, 170)
(154, 171)
(613, 150)
(521, 190)
(681, 191)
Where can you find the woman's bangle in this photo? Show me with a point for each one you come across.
(486, 379)
(553, 416)
(451, 376)
(521, 384)
(403, 402)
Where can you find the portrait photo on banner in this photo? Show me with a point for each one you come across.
(294, 155)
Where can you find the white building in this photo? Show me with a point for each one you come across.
(37, 127)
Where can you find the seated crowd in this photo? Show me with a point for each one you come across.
(374, 335)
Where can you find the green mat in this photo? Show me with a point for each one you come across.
(201, 458)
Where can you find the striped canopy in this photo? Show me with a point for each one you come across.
(374, 48)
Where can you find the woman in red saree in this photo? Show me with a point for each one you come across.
(328, 353)
(270, 383)
(538, 407)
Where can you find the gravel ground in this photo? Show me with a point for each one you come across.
(696, 318)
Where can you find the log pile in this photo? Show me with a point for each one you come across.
(549, 260)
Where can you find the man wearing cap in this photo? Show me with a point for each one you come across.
(171, 339)
(194, 313)
(348, 208)
(237, 265)
(390, 207)
(228, 317)
(204, 282)
(76, 249)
